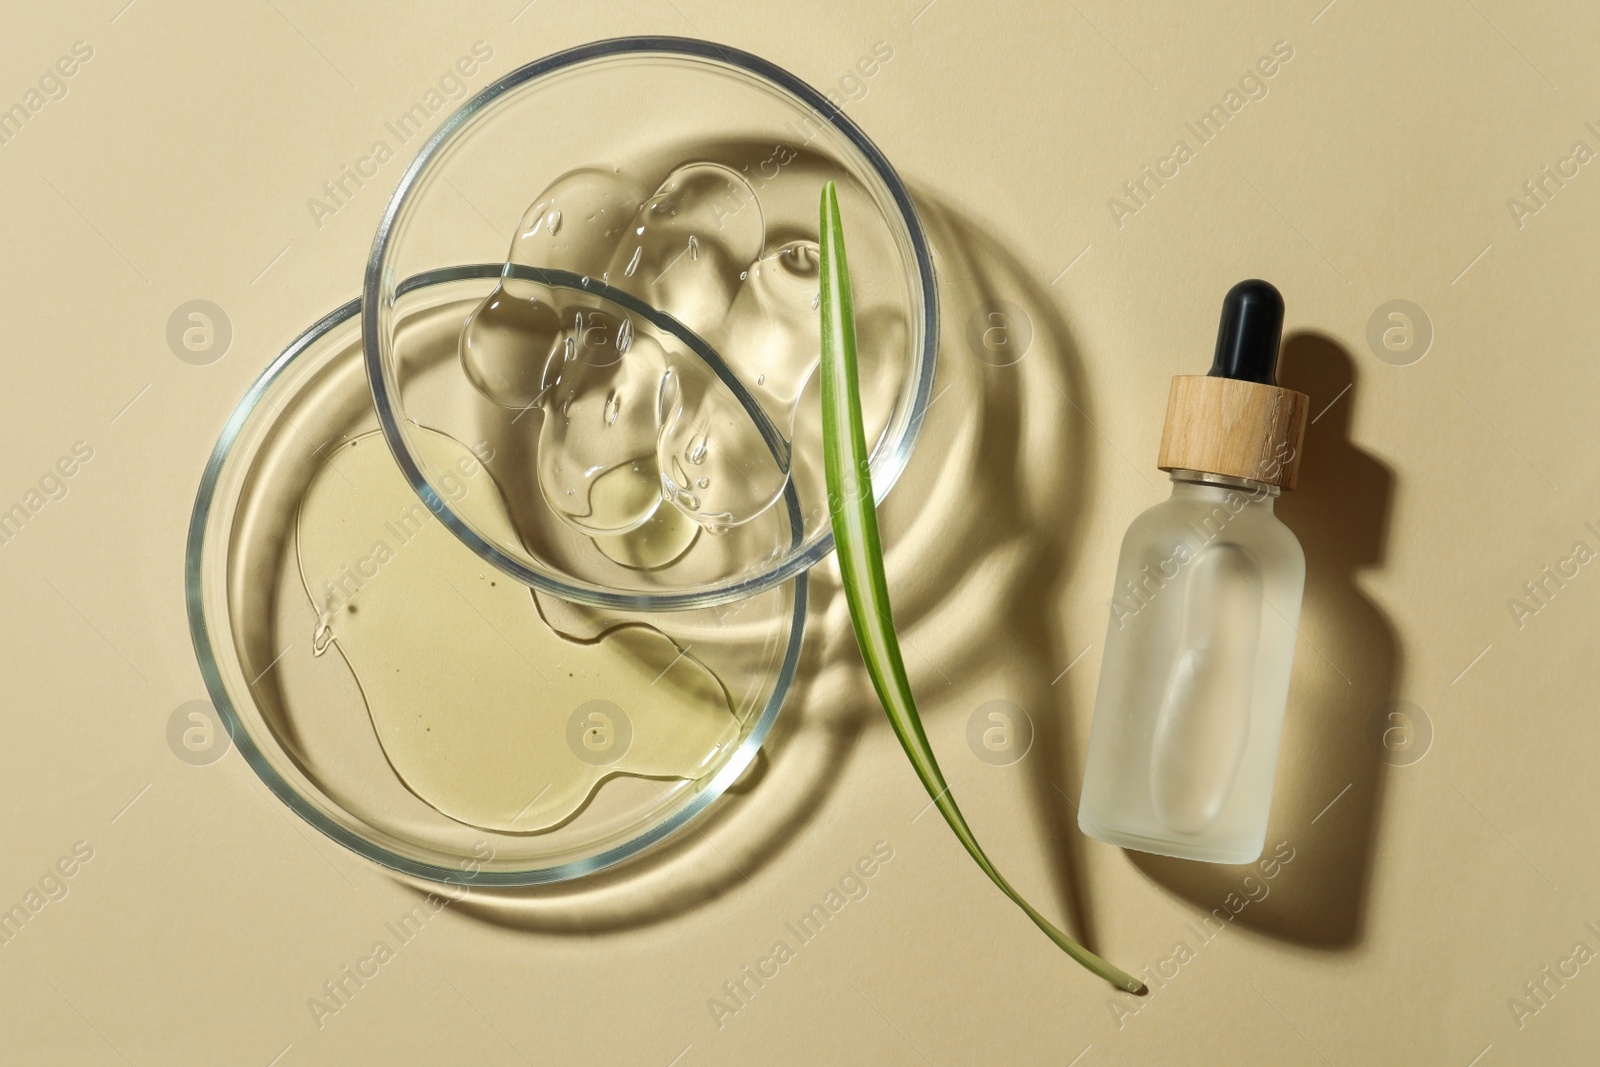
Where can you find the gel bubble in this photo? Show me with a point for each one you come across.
(716, 467)
(574, 226)
(690, 243)
(506, 343)
(577, 223)
(596, 460)
(772, 337)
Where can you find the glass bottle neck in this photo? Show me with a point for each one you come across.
(1261, 493)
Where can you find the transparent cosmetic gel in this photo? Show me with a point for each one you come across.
(628, 424)
(1201, 640)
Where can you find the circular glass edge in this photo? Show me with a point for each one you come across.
(889, 466)
(200, 636)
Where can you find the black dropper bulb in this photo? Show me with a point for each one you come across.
(1247, 339)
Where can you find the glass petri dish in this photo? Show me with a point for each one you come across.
(641, 107)
(303, 711)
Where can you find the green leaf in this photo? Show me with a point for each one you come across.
(855, 532)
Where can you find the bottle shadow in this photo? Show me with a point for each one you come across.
(1331, 770)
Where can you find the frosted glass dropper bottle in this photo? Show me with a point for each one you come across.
(1195, 674)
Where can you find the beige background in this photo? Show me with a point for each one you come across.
(1421, 898)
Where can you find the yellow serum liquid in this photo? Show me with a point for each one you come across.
(484, 711)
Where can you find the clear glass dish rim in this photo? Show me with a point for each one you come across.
(200, 636)
(887, 469)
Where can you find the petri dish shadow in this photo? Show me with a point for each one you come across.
(1033, 438)
(1332, 768)
(783, 789)
(996, 412)
(1003, 493)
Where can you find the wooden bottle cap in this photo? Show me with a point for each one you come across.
(1234, 428)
